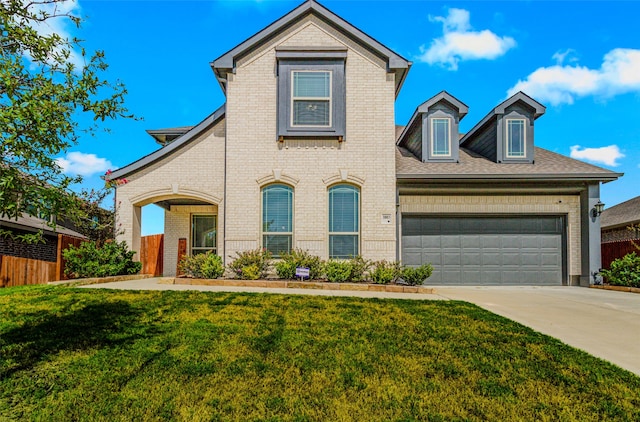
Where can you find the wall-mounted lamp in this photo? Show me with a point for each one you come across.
(597, 209)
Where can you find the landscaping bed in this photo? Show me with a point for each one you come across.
(78, 354)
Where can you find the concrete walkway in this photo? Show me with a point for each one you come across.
(603, 323)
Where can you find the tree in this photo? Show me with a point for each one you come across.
(47, 82)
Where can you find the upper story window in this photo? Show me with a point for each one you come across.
(515, 137)
(277, 219)
(311, 98)
(344, 221)
(441, 137)
(311, 94)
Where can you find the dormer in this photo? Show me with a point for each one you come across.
(432, 134)
(505, 135)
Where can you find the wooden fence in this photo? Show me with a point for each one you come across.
(151, 254)
(616, 249)
(16, 271)
(63, 243)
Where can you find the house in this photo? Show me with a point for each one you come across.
(622, 221)
(305, 154)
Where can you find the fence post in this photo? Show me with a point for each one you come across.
(182, 251)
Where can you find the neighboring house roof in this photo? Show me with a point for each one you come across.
(621, 215)
(463, 109)
(169, 148)
(166, 136)
(34, 224)
(227, 62)
(548, 166)
(538, 110)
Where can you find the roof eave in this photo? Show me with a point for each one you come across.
(578, 177)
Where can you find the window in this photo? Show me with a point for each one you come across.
(203, 234)
(311, 98)
(277, 219)
(440, 137)
(344, 221)
(515, 138)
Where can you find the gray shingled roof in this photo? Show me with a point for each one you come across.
(624, 214)
(31, 223)
(548, 166)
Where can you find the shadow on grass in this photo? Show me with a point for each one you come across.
(95, 325)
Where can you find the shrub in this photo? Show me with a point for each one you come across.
(384, 272)
(359, 267)
(417, 275)
(88, 260)
(205, 265)
(286, 268)
(338, 271)
(624, 271)
(251, 265)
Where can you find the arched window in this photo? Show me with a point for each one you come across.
(277, 219)
(344, 221)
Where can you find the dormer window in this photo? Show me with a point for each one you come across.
(441, 137)
(311, 98)
(516, 144)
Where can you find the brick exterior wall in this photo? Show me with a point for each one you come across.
(621, 233)
(44, 251)
(568, 205)
(366, 158)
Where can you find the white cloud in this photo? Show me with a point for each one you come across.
(608, 155)
(459, 42)
(83, 164)
(562, 84)
(561, 56)
(60, 25)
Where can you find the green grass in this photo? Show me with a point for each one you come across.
(73, 354)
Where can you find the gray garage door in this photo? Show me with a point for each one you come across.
(486, 250)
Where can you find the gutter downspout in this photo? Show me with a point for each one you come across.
(224, 190)
(397, 223)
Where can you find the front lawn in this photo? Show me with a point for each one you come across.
(73, 354)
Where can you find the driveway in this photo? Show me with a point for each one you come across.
(603, 323)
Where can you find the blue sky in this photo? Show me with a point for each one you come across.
(580, 59)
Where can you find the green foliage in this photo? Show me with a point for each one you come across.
(359, 267)
(48, 84)
(384, 272)
(86, 355)
(286, 267)
(89, 260)
(204, 265)
(624, 271)
(338, 271)
(251, 265)
(416, 275)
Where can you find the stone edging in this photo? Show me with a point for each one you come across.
(99, 280)
(617, 288)
(289, 284)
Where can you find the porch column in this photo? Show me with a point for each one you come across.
(590, 235)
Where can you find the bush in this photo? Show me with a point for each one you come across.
(384, 272)
(88, 260)
(204, 265)
(624, 271)
(251, 265)
(417, 275)
(359, 267)
(286, 268)
(338, 271)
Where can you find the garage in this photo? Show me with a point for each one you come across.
(498, 250)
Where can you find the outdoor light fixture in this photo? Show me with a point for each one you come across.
(597, 209)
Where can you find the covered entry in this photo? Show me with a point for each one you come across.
(508, 250)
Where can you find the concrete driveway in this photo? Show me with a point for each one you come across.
(603, 323)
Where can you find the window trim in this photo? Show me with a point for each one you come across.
(284, 105)
(357, 233)
(433, 138)
(293, 98)
(264, 233)
(214, 249)
(508, 153)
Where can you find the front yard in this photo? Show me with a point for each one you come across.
(74, 354)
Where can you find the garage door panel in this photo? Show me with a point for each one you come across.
(479, 250)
